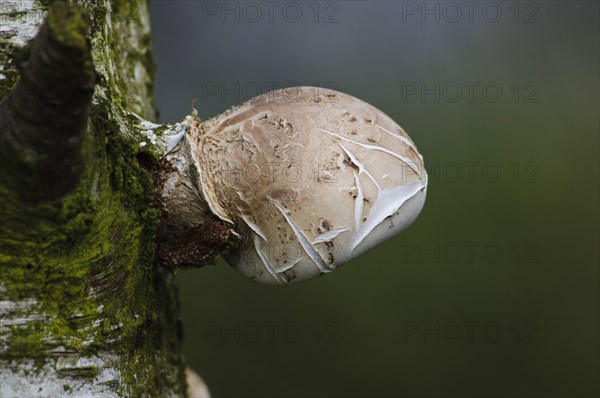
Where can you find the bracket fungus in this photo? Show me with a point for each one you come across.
(304, 179)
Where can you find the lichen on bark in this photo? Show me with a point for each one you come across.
(83, 306)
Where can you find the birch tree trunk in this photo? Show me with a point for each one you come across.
(84, 309)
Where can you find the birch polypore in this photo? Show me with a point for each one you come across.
(308, 178)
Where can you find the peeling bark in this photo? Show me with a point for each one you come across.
(190, 234)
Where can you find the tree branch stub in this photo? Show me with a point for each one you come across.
(43, 121)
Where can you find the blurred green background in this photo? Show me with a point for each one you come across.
(494, 290)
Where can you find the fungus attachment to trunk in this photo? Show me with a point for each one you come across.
(304, 178)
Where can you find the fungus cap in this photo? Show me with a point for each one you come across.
(309, 178)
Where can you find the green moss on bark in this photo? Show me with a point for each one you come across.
(88, 259)
(9, 72)
(68, 27)
(100, 240)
